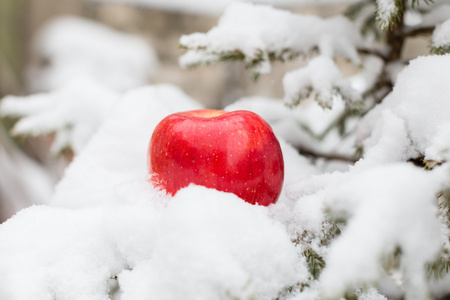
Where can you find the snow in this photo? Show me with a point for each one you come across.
(420, 101)
(22, 181)
(387, 10)
(203, 244)
(437, 14)
(211, 246)
(259, 31)
(106, 227)
(441, 36)
(305, 126)
(370, 294)
(366, 79)
(75, 48)
(322, 76)
(382, 197)
(74, 111)
(106, 224)
(117, 152)
(392, 206)
(106, 220)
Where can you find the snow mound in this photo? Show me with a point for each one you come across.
(202, 244)
(211, 247)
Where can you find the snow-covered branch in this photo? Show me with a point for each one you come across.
(259, 35)
(74, 112)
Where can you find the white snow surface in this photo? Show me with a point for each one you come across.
(386, 12)
(74, 112)
(74, 48)
(259, 30)
(202, 244)
(437, 14)
(441, 35)
(117, 152)
(382, 196)
(390, 206)
(321, 76)
(420, 104)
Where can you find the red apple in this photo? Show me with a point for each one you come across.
(235, 152)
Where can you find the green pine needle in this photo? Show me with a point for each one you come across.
(315, 262)
(438, 269)
(417, 2)
(442, 50)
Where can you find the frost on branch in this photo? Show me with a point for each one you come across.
(259, 35)
(74, 112)
(440, 41)
(321, 77)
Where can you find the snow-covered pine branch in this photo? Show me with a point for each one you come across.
(389, 12)
(440, 42)
(74, 112)
(321, 77)
(260, 34)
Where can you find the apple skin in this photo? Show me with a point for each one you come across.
(235, 152)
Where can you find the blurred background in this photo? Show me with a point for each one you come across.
(159, 23)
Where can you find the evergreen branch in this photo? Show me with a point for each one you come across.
(315, 262)
(370, 25)
(441, 50)
(416, 2)
(327, 156)
(389, 18)
(428, 165)
(250, 63)
(438, 269)
(373, 52)
(392, 260)
(295, 288)
(355, 9)
(330, 232)
(441, 266)
(418, 32)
